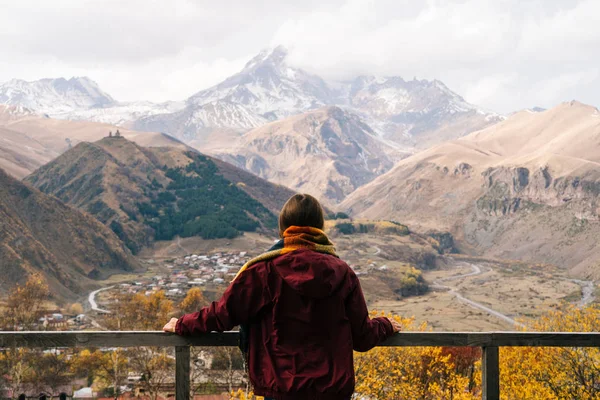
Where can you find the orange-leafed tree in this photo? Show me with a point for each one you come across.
(412, 372)
(193, 301)
(25, 303)
(530, 373)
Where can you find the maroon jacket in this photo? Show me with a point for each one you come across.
(306, 313)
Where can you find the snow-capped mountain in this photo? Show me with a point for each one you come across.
(123, 113)
(193, 121)
(415, 113)
(269, 87)
(266, 89)
(54, 96)
(77, 99)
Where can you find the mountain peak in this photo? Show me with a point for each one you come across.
(273, 56)
(54, 96)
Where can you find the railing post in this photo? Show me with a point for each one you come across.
(490, 374)
(182, 373)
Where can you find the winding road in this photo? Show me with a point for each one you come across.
(92, 300)
(475, 270)
(587, 288)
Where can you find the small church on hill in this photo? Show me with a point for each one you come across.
(117, 134)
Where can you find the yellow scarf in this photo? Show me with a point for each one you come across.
(295, 238)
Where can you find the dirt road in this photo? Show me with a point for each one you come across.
(475, 270)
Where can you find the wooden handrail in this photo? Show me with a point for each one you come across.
(404, 339)
(490, 342)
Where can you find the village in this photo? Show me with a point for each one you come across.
(181, 274)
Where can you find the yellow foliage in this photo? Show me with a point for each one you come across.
(76, 309)
(24, 303)
(140, 312)
(410, 372)
(193, 301)
(241, 395)
(526, 373)
(532, 373)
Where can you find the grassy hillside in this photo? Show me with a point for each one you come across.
(146, 194)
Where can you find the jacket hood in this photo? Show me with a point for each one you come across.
(310, 273)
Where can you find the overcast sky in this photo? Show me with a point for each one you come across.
(501, 54)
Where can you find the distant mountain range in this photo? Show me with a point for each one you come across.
(38, 233)
(77, 99)
(415, 113)
(524, 187)
(527, 188)
(396, 118)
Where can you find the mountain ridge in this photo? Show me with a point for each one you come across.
(146, 194)
(532, 179)
(77, 98)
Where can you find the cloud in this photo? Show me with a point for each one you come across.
(500, 54)
(495, 53)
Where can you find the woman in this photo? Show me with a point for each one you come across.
(304, 311)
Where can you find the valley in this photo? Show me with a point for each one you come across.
(493, 188)
(464, 293)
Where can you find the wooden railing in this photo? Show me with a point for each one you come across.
(490, 342)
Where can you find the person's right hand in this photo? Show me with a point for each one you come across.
(396, 325)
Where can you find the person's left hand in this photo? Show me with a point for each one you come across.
(170, 326)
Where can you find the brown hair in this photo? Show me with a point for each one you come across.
(301, 210)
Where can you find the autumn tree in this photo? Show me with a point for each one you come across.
(16, 369)
(156, 368)
(24, 304)
(112, 371)
(226, 361)
(424, 373)
(530, 373)
(51, 372)
(85, 364)
(139, 312)
(193, 301)
(465, 361)
(75, 309)
(108, 370)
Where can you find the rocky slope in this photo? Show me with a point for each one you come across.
(38, 233)
(327, 152)
(527, 188)
(28, 140)
(145, 194)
